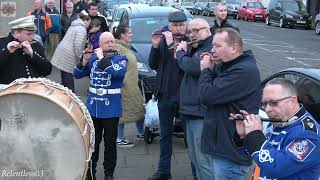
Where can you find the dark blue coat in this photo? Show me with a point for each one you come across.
(106, 75)
(235, 88)
(291, 152)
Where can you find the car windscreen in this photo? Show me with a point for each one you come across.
(254, 5)
(142, 28)
(295, 6)
(201, 4)
(186, 3)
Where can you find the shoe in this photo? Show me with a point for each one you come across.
(125, 143)
(88, 177)
(158, 176)
(140, 136)
(109, 178)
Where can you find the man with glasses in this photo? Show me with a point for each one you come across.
(234, 87)
(191, 110)
(291, 148)
(221, 21)
(169, 75)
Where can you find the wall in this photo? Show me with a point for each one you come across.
(14, 9)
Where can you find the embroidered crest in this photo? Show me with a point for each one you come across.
(301, 149)
(264, 156)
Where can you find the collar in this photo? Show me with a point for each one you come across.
(296, 117)
(222, 23)
(11, 38)
(205, 42)
(242, 57)
(123, 44)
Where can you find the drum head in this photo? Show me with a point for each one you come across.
(39, 138)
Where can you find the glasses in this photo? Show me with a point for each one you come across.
(273, 103)
(194, 30)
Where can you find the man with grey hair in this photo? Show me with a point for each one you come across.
(55, 30)
(67, 18)
(191, 110)
(291, 146)
(169, 75)
(234, 87)
(221, 21)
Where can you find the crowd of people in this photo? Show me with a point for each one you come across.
(204, 75)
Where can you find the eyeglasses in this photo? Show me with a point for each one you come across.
(273, 103)
(194, 30)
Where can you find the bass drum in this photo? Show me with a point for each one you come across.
(46, 132)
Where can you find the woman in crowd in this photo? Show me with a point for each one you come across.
(70, 49)
(132, 100)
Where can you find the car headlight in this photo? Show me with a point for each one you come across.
(289, 16)
(142, 67)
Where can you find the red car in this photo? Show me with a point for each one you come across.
(252, 10)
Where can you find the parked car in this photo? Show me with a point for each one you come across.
(117, 11)
(251, 10)
(317, 23)
(209, 8)
(143, 21)
(232, 7)
(197, 8)
(307, 82)
(187, 5)
(292, 13)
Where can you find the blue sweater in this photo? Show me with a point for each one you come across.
(55, 20)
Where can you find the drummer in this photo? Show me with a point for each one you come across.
(20, 56)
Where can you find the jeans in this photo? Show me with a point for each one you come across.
(67, 80)
(139, 126)
(193, 169)
(167, 112)
(200, 160)
(108, 129)
(225, 169)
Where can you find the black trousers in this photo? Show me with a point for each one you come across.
(108, 129)
(67, 80)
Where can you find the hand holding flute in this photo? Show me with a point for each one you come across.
(26, 45)
(244, 127)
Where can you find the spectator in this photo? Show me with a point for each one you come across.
(106, 70)
(192, 112)
(291, 147)
(67, 18)
(43, 23)
(21, 56)
(79, 6)
(94, 33)
(55, 29)
(132, 100)
(221, 21)
(235, 87)
(169, 77)
(70, 49)
(93, 13)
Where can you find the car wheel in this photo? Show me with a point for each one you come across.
(246, 18)
(237, 17)
(281, 23)
(267, 21)
(202, 13)
(317, 27)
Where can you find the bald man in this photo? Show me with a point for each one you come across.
(191, 110)
(106, 69)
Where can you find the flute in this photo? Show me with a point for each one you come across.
(262, 119)
(177, 44)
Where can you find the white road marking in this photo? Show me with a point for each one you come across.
(295, 60)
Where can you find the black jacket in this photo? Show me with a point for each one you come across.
(104, 25)
(224, 24)
(66, 22)
(235, 88)
(21, 65)
(169, 75)
(189, 62)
